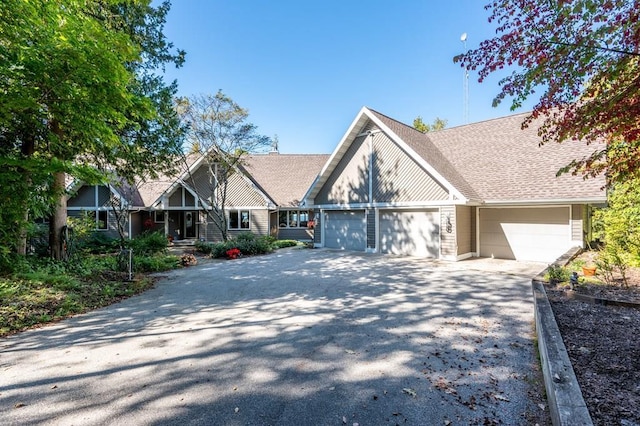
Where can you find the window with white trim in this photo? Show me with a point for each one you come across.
(101, 218)
(239, 219)
(293, 218)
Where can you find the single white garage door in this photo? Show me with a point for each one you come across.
(345, 230)
(533, 234)
(415, 233)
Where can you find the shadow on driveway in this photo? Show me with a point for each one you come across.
(297, 337)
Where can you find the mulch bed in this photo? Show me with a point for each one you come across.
(604, 348)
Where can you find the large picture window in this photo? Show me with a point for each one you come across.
(293, 218)
(239, 219)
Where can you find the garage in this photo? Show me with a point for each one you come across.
(345, 230)
(532, 234)
(413, 233)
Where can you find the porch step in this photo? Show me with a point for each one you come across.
(184, 243)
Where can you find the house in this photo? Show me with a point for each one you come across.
(485, 189)
(263, 197)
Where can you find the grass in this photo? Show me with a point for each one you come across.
(43, 290)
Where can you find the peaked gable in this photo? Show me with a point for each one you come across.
(348, 167)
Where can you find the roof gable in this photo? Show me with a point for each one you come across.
(409, 140)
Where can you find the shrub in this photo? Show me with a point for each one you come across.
(156, 263)
(203, 247)
(557, 274)
(284, 243)
(99, 243)
(149, 243)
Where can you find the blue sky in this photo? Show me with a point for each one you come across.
(304, 69)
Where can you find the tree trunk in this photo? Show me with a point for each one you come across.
(58, 217)
(28, 148)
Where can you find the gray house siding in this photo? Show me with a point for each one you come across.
(371, 229)
(86, 196)
(258, 224)
(448, 231)
(398, 178)
(295, 234)
(577, 222)
(349, 181)
(112, 228)
(317, 233)
(464, 232)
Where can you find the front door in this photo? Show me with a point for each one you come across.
(190, 224)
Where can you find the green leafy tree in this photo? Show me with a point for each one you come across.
(582, 58)
(421, 126)
(218, 126)
(82, 91)
(619, 223)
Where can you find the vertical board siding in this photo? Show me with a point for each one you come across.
(463, 229)
(448, 239)
(474, 230)
(317, 233)
(259, 225)
(371, 229)
(202, 182)
(295, 234)
(189, 199)
(349, 182)
(398, 178)
(240, 193)
(577, 223)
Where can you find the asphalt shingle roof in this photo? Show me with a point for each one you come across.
(285, 178)
(504, 162)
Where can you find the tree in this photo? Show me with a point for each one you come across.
(583, 56)
(421, 126)
(218, 127)
(81, 88)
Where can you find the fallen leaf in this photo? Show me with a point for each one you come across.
(501, 397)
(350, 352)
(19, 405)
(236, 410)
(344, 420)
(410, 391)
(54, 387)
(447, 422)
(542, 406)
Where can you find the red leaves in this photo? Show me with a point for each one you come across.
(584, 56)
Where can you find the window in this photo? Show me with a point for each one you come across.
(101, 218)
(159, 216)
(293, 218)
(239, 219)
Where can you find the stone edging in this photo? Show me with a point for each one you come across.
(566, 404)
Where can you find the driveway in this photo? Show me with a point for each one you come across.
(300, 337)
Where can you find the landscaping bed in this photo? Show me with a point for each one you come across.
(603, 345)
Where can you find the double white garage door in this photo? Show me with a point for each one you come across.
(415, 232)
(532, 234)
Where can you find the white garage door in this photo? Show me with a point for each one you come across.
(415, 233)
(534, 234)
(345, 230)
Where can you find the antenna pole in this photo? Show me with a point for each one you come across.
(465, 85)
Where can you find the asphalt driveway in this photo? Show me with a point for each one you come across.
(300, 337)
